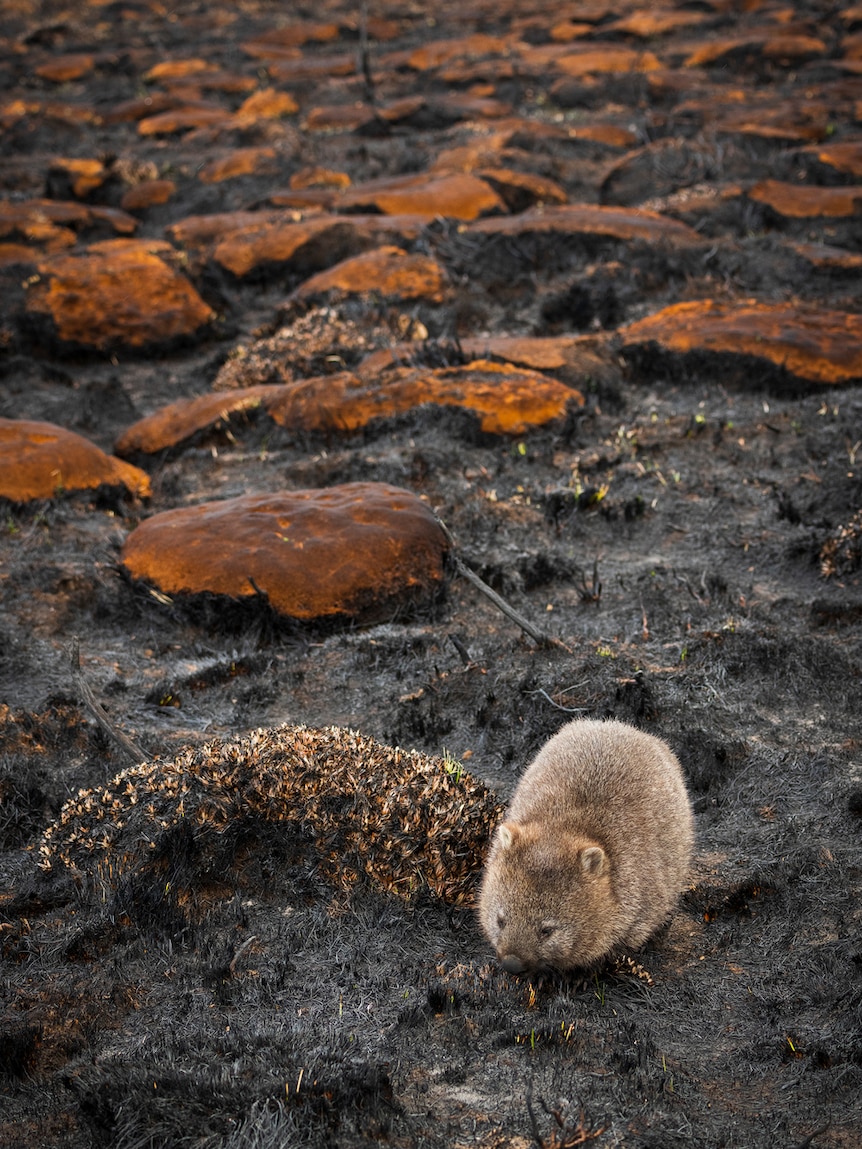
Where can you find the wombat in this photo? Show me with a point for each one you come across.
(594, 850)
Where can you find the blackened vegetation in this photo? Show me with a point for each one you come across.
(235, 947)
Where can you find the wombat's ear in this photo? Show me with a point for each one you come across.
(508, 834)
(593, 861)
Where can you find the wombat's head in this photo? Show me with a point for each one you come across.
(547, 902)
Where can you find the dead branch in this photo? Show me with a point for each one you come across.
(538, 636)
(85, 691)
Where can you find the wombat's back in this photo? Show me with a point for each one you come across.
(599, 827)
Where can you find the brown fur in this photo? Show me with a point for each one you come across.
(594, 850)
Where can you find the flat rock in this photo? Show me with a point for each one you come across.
(814, 345)
(388, 271)
(575, 356)
(456, 195)
(591, 61)
(508, 400)
(148, 193)
(355, 551)
(826, 256)
(842, 157)
(591, 219)
(119, 292)
(41, 461)
(180, 421)
(802, 201)
(239, 162)
(247, 242)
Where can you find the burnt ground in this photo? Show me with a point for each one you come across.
(670, 534)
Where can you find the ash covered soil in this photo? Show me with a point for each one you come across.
(199, 953)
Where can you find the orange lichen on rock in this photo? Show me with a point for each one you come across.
(813, 344)
(84, 176)
(267, 104)
(241, 162)
(388, 271)
(827, 256)
(319, 178)
(439, 52)
(592, 219)
(611, 135)
(456, 195)
(42, 460)
(843, 157)
(806, 202)
(246, 242)
(648, 22)
(599, 61)
(178, 69)
(508, 400)
(62, 69)
(184, 119)
(354, 551)
(148, 193)
(117, 292)
(180, 421)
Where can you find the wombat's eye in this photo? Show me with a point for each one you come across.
(501, 920)
(547, 930)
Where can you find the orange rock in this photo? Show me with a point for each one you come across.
(290, 38)
(41, 461)
(583, 355)
(438, 52)
(790, 50)
(520, 190)
(610, 134)
(354, 551)
(594, 61)
(313, 68)
(843, 157)
(308, 244)
(566, 31)
(338, 118)
(117, 292)
(781, 48)
(824, 255)
(177, 69)
(180, 421)
(41, 221)
(815, 345)
(267, 104)
(184, 119)
(148, 193)
(84, 176)
(319, 178)
(62, 69)
(12, 253)
(456, 196)
(241, 162)
(507, 399)
(805, 202)
(388, 271)
(648, 22)
(592, 219)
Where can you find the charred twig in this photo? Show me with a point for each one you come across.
(538, 636)
(130, 748)
(364, 54)
(231, 969)
(805, 1143)
(589, 590)
(566, 1135)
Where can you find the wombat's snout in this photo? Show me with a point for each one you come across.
(511, 963)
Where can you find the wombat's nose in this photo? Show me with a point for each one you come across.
(512, 964)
